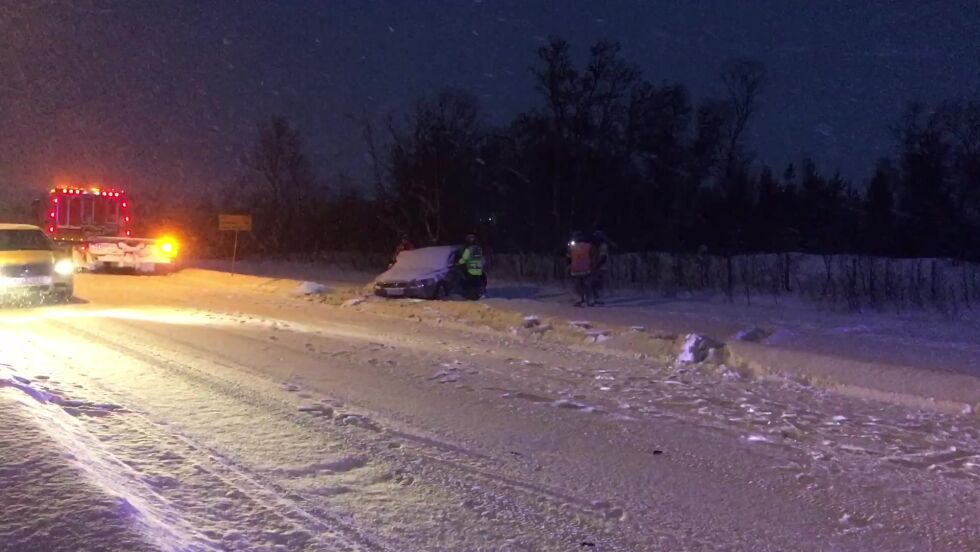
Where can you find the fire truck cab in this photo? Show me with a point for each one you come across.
(97, 224)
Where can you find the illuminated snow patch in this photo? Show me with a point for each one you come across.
(153, 516)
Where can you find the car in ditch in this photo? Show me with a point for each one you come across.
(32, 266)
(426, 273)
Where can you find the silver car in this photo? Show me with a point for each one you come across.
(426, 273)
(31, 266)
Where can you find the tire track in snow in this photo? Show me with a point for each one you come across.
(47, 503)
(153, 517)
(327, 530)
(450, 465)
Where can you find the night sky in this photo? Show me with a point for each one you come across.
(144, 94)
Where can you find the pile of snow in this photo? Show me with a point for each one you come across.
(419, 264)
(754, 335)
(353, 302)
(598, 336)
(310, 288)
(728, 374)
(531, 321)
(426, 258)
(697, 348)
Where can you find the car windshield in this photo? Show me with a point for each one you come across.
(23, 240)
(428, 258)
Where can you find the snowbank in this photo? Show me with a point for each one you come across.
(910, 360)
(333, 272)
(838, 282)
(888, 360)
(310, 288)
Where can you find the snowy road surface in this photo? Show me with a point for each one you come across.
(201, 412)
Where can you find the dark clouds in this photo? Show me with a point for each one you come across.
(168, 93)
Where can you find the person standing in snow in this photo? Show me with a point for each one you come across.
(581, 264)
(404, 245)
(601, 272)
(471, 263)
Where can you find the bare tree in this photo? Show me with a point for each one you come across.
(282, 187)
(584, 126)
(744, 80)
(431, 166)
(558, 80)
(961, 124)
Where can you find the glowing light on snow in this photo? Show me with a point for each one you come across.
(164, 316)
(175, 317)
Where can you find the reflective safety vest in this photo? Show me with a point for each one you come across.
(581, 259)
(472, 259)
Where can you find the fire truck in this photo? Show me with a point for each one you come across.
(97, 225)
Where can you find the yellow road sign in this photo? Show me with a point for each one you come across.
(235, 223)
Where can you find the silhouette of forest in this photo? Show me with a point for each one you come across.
(607, 147)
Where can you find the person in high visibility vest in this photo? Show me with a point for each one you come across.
(581, 264)
(471, 262)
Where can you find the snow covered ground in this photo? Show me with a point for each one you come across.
(885, 355)
(204, 411)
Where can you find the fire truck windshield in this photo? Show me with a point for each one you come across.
(84, 211)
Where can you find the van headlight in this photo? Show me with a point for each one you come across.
(64, 267)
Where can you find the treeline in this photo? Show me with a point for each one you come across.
(608, 148)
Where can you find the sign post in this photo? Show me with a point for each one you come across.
(234, 254)
(236, 224)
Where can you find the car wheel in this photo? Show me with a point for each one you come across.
(53, 298)
(64, 297)
(441, 292)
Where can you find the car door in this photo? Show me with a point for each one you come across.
(453, 273)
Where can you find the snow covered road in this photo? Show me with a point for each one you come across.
(203, 412)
